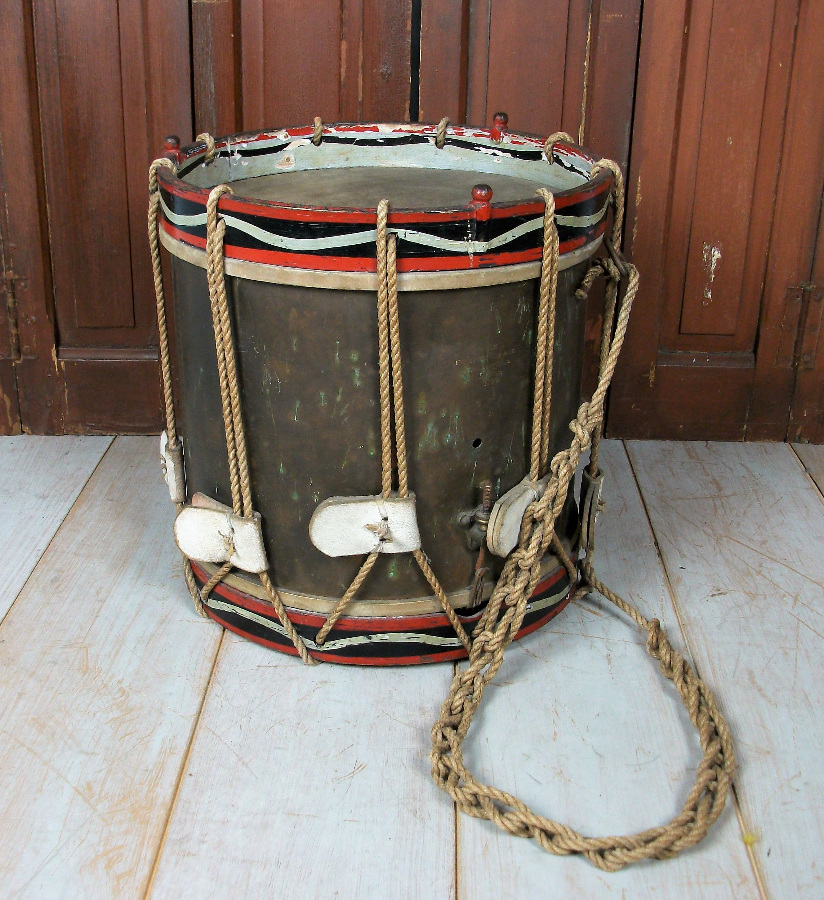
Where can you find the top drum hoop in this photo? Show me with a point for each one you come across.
(299, 253)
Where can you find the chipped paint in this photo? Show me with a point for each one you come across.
(322, 398)
(13, 426)
(711, 257)
(356, 377)
(297, 407)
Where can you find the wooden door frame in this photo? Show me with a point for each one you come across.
(37, 379)
(797, 252)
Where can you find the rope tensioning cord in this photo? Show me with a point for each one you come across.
(503, 616)
(390, 380)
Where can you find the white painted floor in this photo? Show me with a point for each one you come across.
(144, 753)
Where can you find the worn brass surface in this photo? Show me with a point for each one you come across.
(308, 367)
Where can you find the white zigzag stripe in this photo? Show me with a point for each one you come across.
(397, 637)
(368, 236)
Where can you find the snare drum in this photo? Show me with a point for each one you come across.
(299, 255)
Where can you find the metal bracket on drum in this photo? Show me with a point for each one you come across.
(504, 526)
(349, 526)
(171, 461)
(591, 505)
(209, 531)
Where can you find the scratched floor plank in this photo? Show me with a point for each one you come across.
(580, 724)
(311, 783)
(40, 478)
(812, 456)
(741, 529)
(103, 665)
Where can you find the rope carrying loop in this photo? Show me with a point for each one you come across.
(504, 615)
(317, 133)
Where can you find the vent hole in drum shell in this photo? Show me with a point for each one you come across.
(477, 443)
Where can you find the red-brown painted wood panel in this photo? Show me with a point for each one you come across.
(727, 158)
(301, 68)
(112, 79)
(527, 57)
(84, 146)
(216, 77)
(444, 60)
(386, 60)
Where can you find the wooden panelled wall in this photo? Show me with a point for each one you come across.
(703, 106)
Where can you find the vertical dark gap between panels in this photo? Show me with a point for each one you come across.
(185, 139)
(415, 64)
(237, 48)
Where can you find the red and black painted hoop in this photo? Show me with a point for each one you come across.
(372, 640)
(477, 235)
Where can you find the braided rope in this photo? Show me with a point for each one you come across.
(163, 345)
(391, 407)
(502, 621)
(553, 139)
(397, 368)
(612, 285)
(440, 133)
(317, 133)
(215, 580)
(353, 588)
(547, 294)
(162, 327)
(423, 564)
(285, 621)
(209, 141)
(230, 391)
(383, 351)
(215, 230)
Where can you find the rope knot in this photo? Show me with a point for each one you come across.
(655, 638)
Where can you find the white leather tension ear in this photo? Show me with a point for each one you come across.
(209, 531)
(350, 526)
(171, 461)
(507, 514)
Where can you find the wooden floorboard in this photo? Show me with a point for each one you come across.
(311, 783)
(812, 456)
(103, 665)
(741, 530)
(40, 478)
(580, 724)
